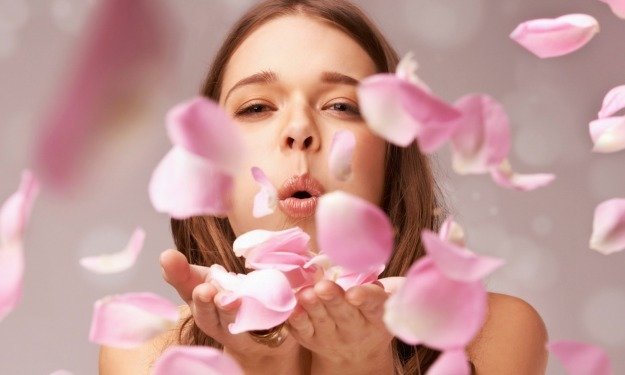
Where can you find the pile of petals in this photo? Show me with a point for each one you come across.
(608, 131)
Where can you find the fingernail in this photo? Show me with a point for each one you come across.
(327, 297)
(227, 299)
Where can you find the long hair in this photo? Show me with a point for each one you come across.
(411, 197)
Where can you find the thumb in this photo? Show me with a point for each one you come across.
(180, 274)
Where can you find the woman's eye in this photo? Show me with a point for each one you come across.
(252, 110)
(345, 107)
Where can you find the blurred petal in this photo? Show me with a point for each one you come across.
(614, 100)
(117, 262)
(266, 199)
(581, 359)
(11, 277)
(608, 227)
(113, 81)
(129, 320)
(481, 138)
(61, 372)
(608, 134)
(556, 37)
(505, 177)
(458, 263)
(203, 128)
(452, 232)
(347, 279)
(354, 233)
(397, 110)
(407, 70)
(193, 360)
(617, 6)
(450, 362)
(340, 160)
(185, 185)
(431, 309)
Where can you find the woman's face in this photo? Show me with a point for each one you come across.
(303, 90)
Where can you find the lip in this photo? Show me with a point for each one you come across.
(296, 207)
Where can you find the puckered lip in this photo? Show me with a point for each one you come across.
(304, 182)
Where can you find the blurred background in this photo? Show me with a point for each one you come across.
(462, 46)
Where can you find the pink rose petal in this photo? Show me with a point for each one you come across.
(431, 309)
(608, 227)
(407, 70)
(185, 185)
(61, 372)
(450, 362)
(117, 262)
(608, 134)
(129, 320)
(11, 277)
(614, 100)
(581, 359)
(342, 277)
(266, 199)
(617, 6)
(481, 138)
(192, 360)
(340, 159)
(556, 37)
(113, 80)
(354, 233)
(505, 177)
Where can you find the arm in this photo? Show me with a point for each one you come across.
(512, 340)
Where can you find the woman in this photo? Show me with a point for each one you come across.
(287, 74)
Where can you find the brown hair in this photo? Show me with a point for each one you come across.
(411, 197)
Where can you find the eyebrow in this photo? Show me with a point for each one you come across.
(267, 76)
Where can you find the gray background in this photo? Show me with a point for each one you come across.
(462, 46)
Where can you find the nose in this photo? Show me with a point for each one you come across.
(301, 132)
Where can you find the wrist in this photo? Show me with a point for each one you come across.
(379, 362)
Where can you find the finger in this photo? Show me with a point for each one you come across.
(300, 325)
(323, 324)
(227, 307)
(369, 299)
(204, 310)
(345, 315)
(179, 274)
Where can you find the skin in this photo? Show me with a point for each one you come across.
(288, 127)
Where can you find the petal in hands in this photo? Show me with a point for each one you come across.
(503, 176)
(129, 320)
(608, 134)
(556, 37)
(188, 360)
(580, 358)
(266, 199)
(117, 262)
(608, 227)
(340, 160)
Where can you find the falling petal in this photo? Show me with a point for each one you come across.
(61, 372)
(608, 227)
(451, 362)
(114, 80)
(581, 359)
(431, 309)
(11, 277)
(407, 70)
(452, 232)
(614, 100)
(192, 360)
(505, 177)
(340, 160)
(481, 139)
(617, 6)
(608, 134)
(354, 233)
(266, 199)
(185, 185)
(547, 37)
(117, 262)
(129, 320)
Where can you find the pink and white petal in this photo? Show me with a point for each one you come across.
(280, 260)
(184, 185)
(458, 263)
(392, 284)
(266, 200)
(61, 372)
(608, 227)
(453, 362)
(113, 80)
(431, 309)
(614, 100)
(407, 70)
(481, 137)
(617, 6)
(341, 150)
(117, 262)
(352, 232)
(11, 277)
(15, 211)
(608, 134)
(580, 358)
(203, 128)
(255, 242)
(505, 177)
(129, 320)
(556, 37)
(192, 360)
(348, 279)
(433, 135)
(452, 232)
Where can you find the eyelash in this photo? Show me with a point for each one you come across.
(249, 110)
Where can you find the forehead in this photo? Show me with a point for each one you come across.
(298, 47)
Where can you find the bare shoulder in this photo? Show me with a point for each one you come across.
(138, 360)
(512, 340)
